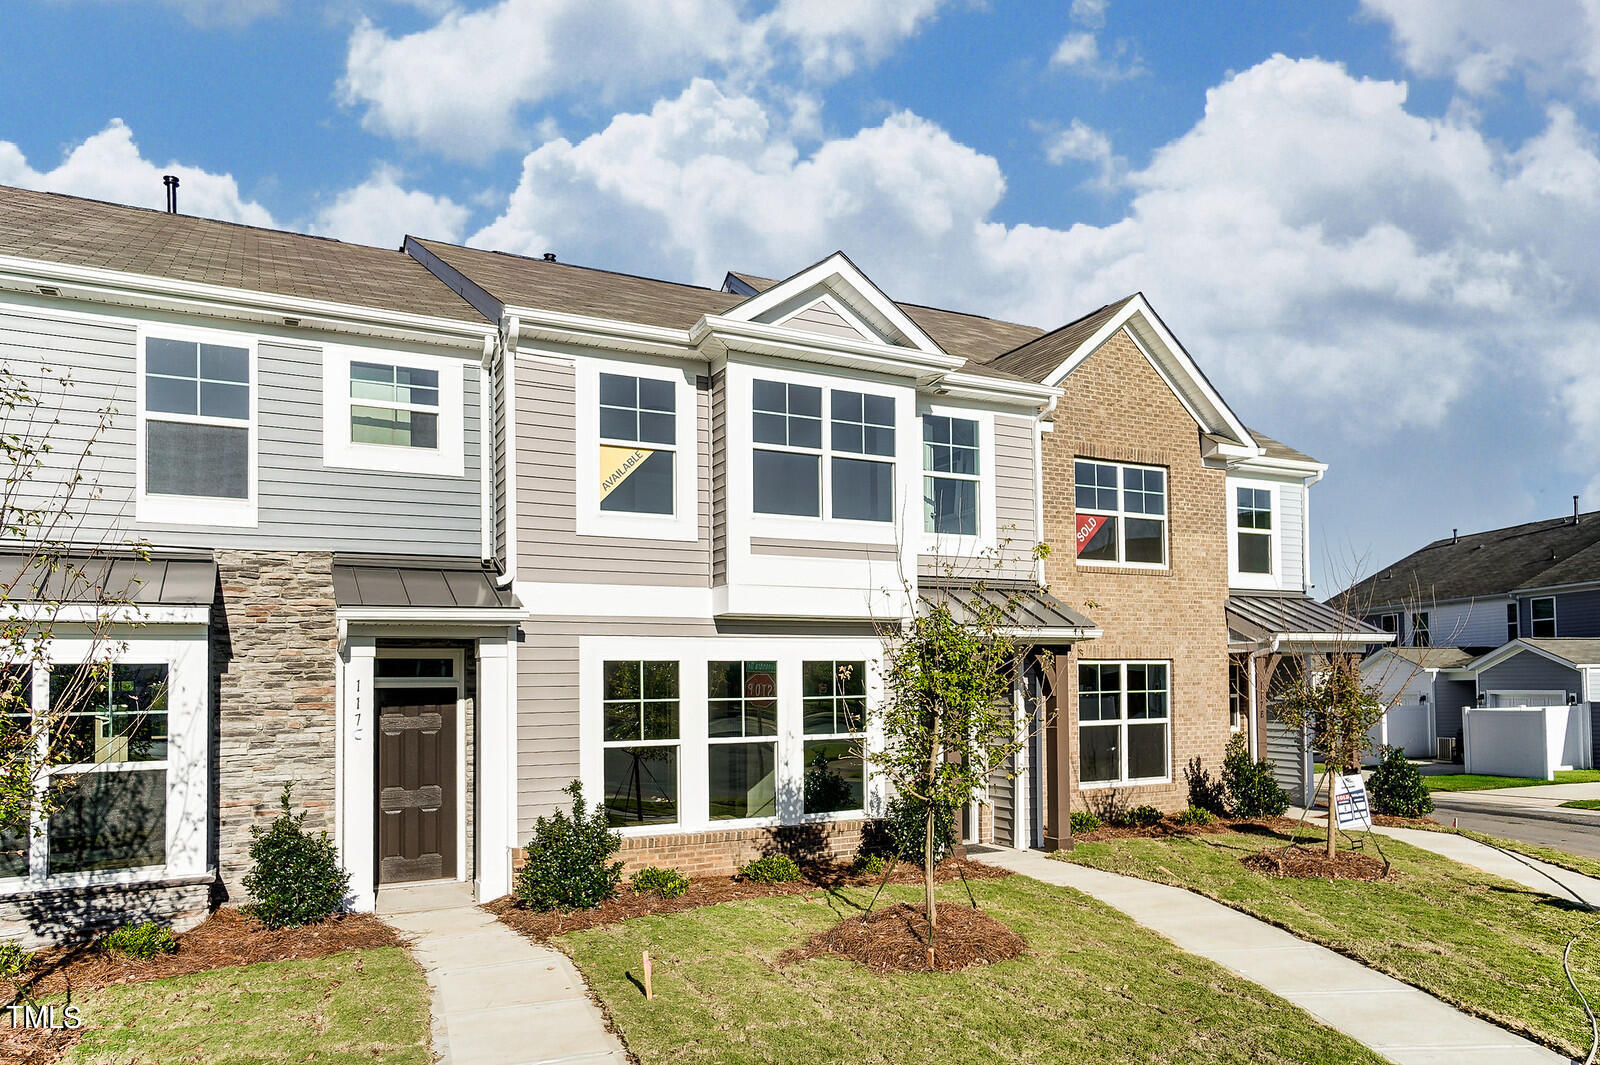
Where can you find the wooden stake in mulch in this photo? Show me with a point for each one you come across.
(649, 970)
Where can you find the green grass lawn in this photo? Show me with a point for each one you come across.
(1094, 988)
(1481, 782)
(1484, 944)
(1582, 804)
(367, 1006)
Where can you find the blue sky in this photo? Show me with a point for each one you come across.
(1373, 223)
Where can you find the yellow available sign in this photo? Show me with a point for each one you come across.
(617, 464)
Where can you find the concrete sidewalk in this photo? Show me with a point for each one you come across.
(1531, 873)
(1405, 1025)
(498, 998)
(1542, 801)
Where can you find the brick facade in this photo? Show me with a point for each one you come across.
(723, 852)
(1118, 409)
(274, 643)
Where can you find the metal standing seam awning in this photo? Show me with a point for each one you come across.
(368, 588)
(1030, 610)
(164, 587)
(1298, 621)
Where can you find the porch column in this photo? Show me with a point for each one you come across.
(1059, 758)
(496, 805)
(357, 768)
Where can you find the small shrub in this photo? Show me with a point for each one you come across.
(1396, 788)
(870, 865)
(668, 883)
(14, 961)
(906, 825)
(1196, 815)
(144, 941)
(1251, 788)
(1084, 822)
(568, 859)
(1110, 808)
(771, 869)
(295, 877)
(1205, 790)
(1144, 816)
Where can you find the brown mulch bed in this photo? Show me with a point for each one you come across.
(895, 939)
(225, 938)
(1307, 864)
(1169, 827)
(1427, 824)
(815, 879)
(33, 1046)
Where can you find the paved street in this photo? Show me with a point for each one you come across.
(1575, 831)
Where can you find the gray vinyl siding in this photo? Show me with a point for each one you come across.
(1001, 787)
(1015, 509)
(719, 478)
(1449, 696)
(1291, 762)
(1577, 613)
(1291, 557)
(1527, 671)
(549, 548)
(301, 503)
(547, 702)
(820, 318)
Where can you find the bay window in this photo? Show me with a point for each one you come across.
(638, 444)
(1121, 513)
(641, 702)
(950, 475)
(834, 722)
(1124, 720)
(795, 466)
(742, 739)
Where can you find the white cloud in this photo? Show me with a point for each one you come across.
(379, 211)
(463, 85)
(1085, 144)
(1077, 49)
(1090, 13)
(109, 166)
(1481, 43)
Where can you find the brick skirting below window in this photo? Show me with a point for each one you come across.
(723, 852)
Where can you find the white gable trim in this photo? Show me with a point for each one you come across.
(1514, 648)
(1170, 361)
(854, 289)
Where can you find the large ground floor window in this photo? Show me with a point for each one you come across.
(702, 734)
(1124, 722)
(117, 772)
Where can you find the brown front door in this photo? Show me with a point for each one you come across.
(416, 784)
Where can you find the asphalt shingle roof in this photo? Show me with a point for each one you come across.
(1580, 652)
(1278, 450)
(109, 236)
(1037, 357)
(1538, 554)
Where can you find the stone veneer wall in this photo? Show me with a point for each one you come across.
(64, 915)
(274, 644)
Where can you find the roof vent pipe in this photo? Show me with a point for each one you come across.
(1574, 510)
(1455, 536)
(171, 182)
(549, 256)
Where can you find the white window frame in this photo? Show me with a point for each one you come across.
(675, 743)
(684, 523)
(831, 737)
(195, 510)
(1121, 724)
(1273, 577)
(1122, 515)
(1555, 624)
(187, 764)
(1396, 629)
(1421, 621)
(340, 452)
(733, 741)
(954, 544)
(693, 655)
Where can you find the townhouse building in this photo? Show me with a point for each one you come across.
(435, 532)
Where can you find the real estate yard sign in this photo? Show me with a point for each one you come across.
(1350, 801)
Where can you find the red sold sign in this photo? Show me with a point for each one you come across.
(1088, 525)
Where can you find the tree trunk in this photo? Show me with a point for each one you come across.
(1333, 815)
(927, 882)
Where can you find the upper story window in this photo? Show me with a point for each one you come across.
(950, 475)
(394, 406)
(1420, 634)
(1389, 623)
(197, 419)
(1122, 513)
(795, 465)
(1513, 623)
(1543, 613)
(1254, 515)
(638, 442)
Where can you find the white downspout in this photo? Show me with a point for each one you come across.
(487, 455)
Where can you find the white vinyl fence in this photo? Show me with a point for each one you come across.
(1526, 741)
(1408, 725)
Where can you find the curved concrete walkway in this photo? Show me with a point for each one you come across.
(1405, 1025)
(1520, 869)
(498, 997)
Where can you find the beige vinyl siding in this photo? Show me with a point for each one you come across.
(549, 547)
(1015, 510)
(301, 503)
(767, 545)
(1291, 538)
(547, 702)
(820, 318)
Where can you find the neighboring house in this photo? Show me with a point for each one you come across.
(298, 436)
(440, 531)
(1519, 607)
(1424, 693)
